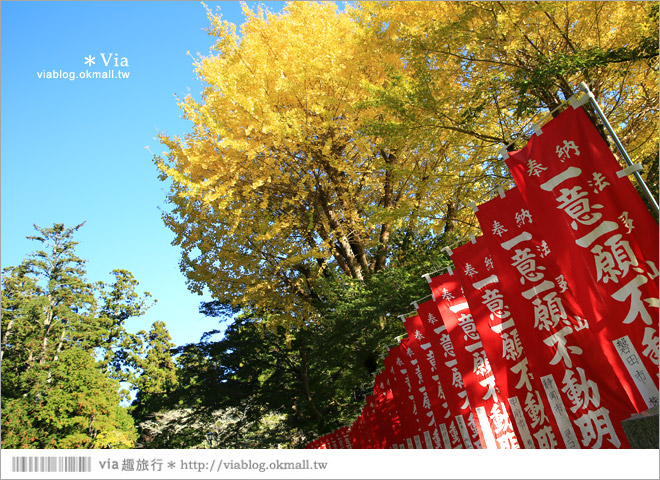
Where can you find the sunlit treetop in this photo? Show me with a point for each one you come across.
(325, 139)
(281, 178)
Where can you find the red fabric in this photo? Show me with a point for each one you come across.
(426, 383)
(461, 425)
(561, 344)
(373, 430)
(340, 438)
(402, 390)
(358, 434)
(343, 435)
(389, 418)
(525, 397)
(491, 415)
(426, 352)
(418, 394)
(604, 238)
(396, 415)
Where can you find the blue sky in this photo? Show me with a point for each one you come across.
(74, 151)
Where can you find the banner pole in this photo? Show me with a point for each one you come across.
(645, 190)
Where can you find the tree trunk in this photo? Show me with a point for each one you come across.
(48, 323)
(345, 248)
(449, 218)
(388, 200)
(305, 380)
(5, 339)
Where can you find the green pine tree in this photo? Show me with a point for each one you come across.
(80, 408)
(56, 393)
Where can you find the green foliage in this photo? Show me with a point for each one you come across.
(156, 372)
(547, 71)
(55, 324)
(264, 387)
(120, 302)
(228, 428)
(78, 408)
(323, 174)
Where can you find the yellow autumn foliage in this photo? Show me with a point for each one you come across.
(321, 134)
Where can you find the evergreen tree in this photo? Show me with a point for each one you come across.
(260, 387)
(50, 308)
(80, 408)
(55, 393)
(157, 372)
(119, 349)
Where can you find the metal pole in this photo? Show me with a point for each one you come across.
(645, 190)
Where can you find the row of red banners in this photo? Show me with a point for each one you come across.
(545, 333)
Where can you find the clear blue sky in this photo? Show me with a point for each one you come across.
(74, 151)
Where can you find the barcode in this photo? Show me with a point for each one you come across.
(51, 464)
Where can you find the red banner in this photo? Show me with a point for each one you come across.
(429, 355)
(492, 417)
(337, 439)
(404, 397)
(356, 434)
(461, 426)
(390, 415)
(422, 399)
(375, 422)
(341, 436)
(430, 434)
(561, 344)
(497, 327)
(603, 236)
(423, 357)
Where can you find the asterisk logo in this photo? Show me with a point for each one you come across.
(89, 60)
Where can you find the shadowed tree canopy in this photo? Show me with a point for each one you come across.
(487, 70)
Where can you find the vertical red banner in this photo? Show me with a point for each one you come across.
(402, 390)
(373, 418)
(603, 236)
(419, 394)
(461, 426)
(506, 347)
(575, 374)
(345, 440)
(429, 356)
(426, 370)
(372, 424)
(390, 416)
(355, 433)
(422, 392)
(492, 417)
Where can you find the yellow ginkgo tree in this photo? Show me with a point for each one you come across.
(323, 137)
(488, 70)
(282, 177)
